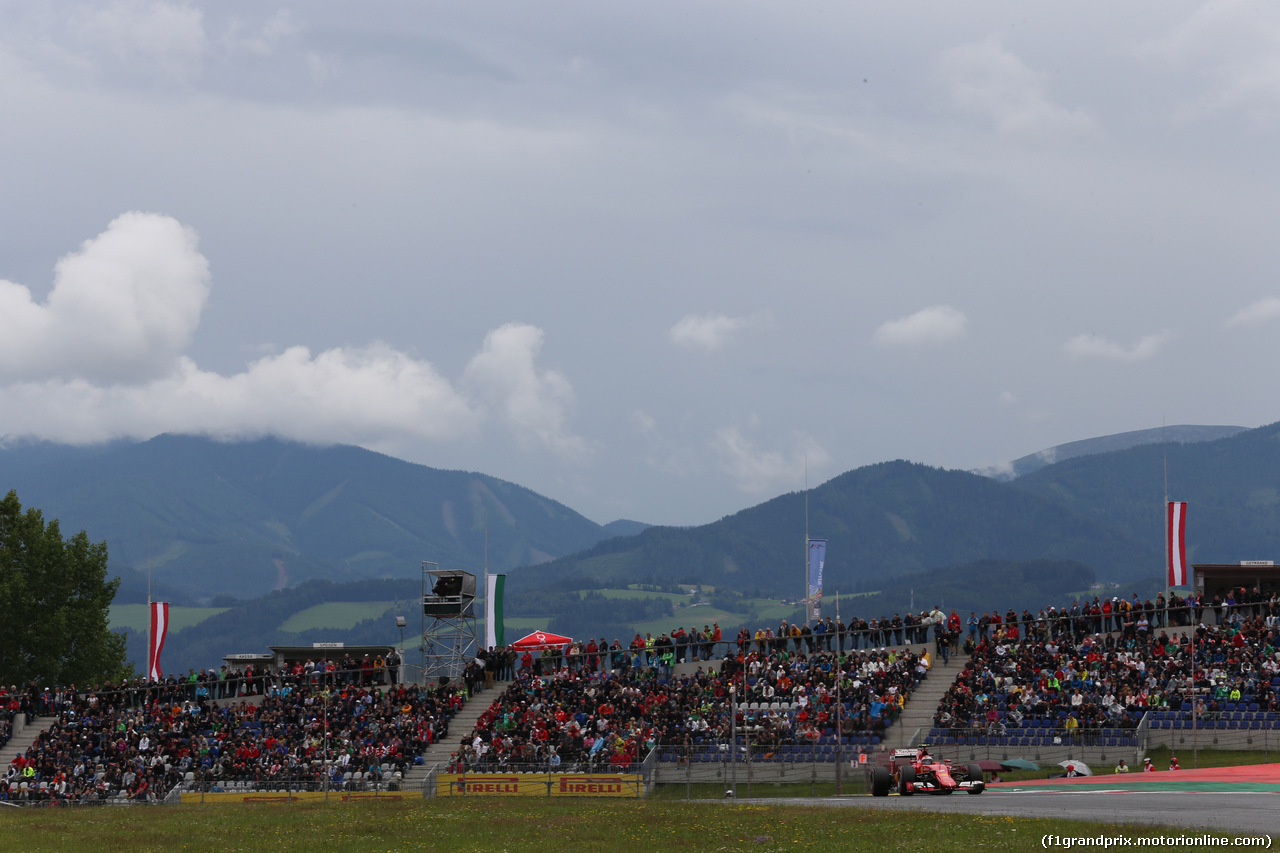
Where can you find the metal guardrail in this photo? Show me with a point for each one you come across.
(1143, 730)
(751, 765)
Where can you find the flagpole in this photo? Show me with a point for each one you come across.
(805, 566)
(487, 604)
(839, 704)
(150, 639)
(1168, 541)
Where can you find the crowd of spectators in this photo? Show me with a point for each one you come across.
(300, 728)
(608, 710)
(1093, 664)
(1105, 665)
(15, 705)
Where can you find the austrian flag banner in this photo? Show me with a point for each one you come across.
(159, 627)
(1176, 546)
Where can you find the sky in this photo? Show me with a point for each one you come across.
(657, 261)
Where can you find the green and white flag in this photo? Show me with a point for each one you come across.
(494, 636)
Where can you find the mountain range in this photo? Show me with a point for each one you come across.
(887, 521)
(1182, 434)
(206, 519)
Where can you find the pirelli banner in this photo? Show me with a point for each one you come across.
(538, 785)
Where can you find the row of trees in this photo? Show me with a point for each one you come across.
(54, 595)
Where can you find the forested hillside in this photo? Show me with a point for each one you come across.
(230, 523)
(1231, 486)
(882, 522)
(210, 518)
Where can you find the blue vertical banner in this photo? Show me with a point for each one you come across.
(817, 558)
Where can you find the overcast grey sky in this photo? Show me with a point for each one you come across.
(643, 258)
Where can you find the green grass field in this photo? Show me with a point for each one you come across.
(687, 613)
(1189, 759)
(674, 597)
(137, 617)
(336, 614)
(523, 824)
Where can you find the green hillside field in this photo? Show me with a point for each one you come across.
(136, 616)
(336, 614)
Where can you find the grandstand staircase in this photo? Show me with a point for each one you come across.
(24, 734)
(920, 708)
(461, 724)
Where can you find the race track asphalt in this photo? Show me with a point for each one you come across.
(1242, 800)
(1227, 812)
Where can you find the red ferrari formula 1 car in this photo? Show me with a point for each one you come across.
(915, 770)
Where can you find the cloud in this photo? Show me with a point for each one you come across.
(1233, 43)
(372, 396)
(643, 422)
(169, 36)
(1003, 471)
(1263, 311)
(533, 404)
(935, 325)
(712, 332)
(264, 40)
(756, 471)
(987, 79)
(1096, 346)
(102, 359)
(123, 307)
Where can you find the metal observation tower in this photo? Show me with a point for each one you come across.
(449, 635)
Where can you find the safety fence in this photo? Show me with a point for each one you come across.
(352, 788)
(1051, 745)
(1180, 733)
(751, 765)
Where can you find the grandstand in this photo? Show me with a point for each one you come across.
(1093, 682)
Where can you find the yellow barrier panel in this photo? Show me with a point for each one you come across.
(539, 785)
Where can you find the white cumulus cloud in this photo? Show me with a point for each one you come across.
(1263, 311)
(533, 403)
(102, 358)
(169, 36)
(988, 79)
(934, 325)
(1095, 346)
(712, 332)
(755, 470)
(123, 307)
(372, 397)
(1234, 45)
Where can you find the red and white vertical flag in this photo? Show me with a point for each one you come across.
(1176, 544)
(159, 627)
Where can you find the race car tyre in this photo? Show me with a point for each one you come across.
(881, 781)
(975, 775)
(906, 778)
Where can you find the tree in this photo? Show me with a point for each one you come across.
(55, 596)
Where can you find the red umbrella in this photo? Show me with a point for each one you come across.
(539, 640)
